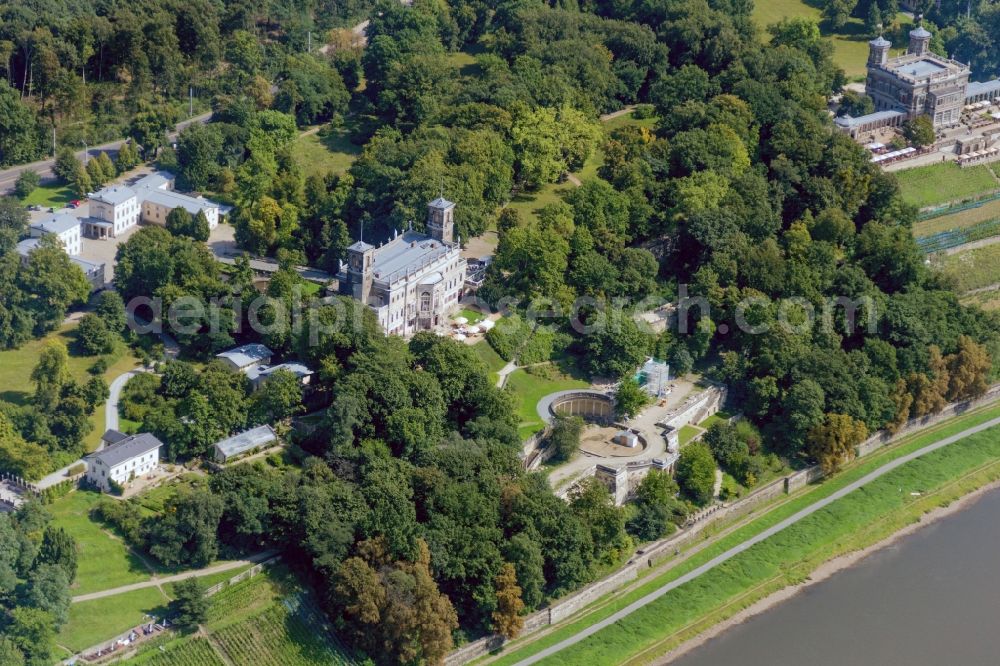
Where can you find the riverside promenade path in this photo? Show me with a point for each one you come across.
(769, 532)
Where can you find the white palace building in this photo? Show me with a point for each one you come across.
(916, 83)
(414, 281)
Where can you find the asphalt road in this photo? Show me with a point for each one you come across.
(8, 177)
(736, 550)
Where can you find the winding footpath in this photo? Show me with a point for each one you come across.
(194, 573)
(111, 409)
(766, 534)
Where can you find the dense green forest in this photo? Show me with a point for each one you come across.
(408, 501)
(38, 562)
(87, 68)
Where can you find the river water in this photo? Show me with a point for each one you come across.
(930, 599)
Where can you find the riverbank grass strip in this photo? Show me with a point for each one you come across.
(853, 522)
(611, 604)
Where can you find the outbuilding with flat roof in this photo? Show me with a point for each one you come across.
(246, 357)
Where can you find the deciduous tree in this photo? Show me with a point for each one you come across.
(696, 472)
(833, 441)
(507, 618)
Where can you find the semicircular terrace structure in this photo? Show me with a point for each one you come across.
(594, 406)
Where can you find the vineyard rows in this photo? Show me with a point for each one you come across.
(279, 638)
(245, 598)
(193, 652)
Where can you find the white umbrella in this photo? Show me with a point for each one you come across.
(459, 337)
(487, 324)
(473, 330)
(461, 321)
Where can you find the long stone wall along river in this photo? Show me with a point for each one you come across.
(931, 599)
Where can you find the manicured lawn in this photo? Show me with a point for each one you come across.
(850, 44)
(944, 182)
(322, 154)
(971, 269)
(712, 598)
(16, 366)
(528, 389)
(54, 195)
(486, 352)
(310, 288)
(474, 316)
(103, 560)
(967, 218)
(688, 433)
(718, 417)
(91, 622)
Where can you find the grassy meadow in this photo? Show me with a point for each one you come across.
(529, 388)
(16, 366)
(971, 269)
(943, 182)
(850, 43)
(104, 560)
(966, 218)
(91, 622)
(54, 195)
(323, 152)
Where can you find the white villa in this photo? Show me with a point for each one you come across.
(118, 208)
(415, 280)
(123, 458)
(63, 226)
(66, 228)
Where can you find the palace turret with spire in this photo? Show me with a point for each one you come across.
(916, 83)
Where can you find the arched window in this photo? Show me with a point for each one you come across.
(425, 302)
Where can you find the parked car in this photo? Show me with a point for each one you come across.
(75, 203)
(34, 207)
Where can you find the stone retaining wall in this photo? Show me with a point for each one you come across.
(658, 551)
(697, 409)
(881, 438)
